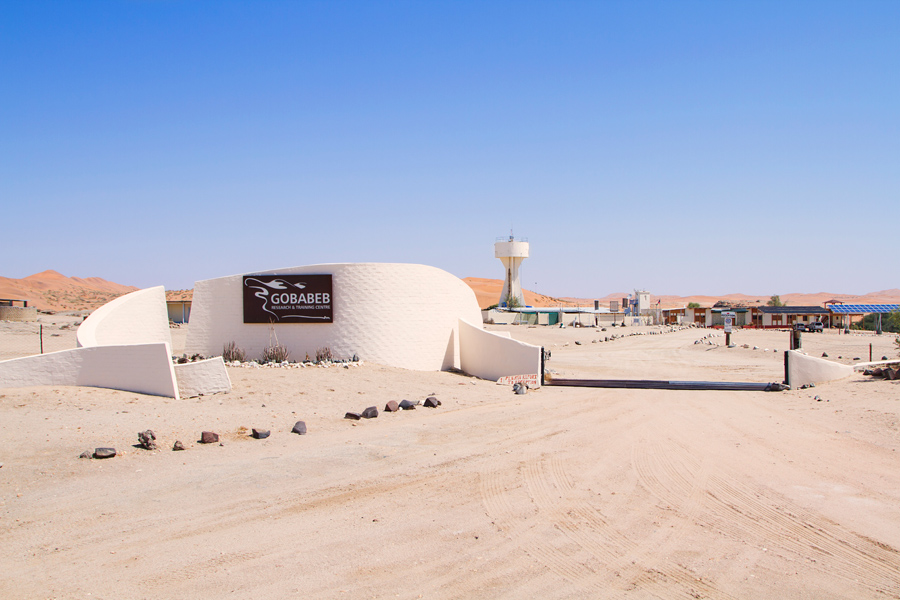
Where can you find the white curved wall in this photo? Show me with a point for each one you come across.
(400, 315)
(491, 356)
(140, 317)
(141, 368)
(804, 369)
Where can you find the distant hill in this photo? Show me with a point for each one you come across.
(51, 290)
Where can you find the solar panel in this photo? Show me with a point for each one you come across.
(859, 309)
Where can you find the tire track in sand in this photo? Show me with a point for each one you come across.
(762, 518)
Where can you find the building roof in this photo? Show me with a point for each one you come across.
(793, 310)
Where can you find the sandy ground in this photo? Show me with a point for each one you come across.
(560, 493)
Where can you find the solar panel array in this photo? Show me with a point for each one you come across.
(859, 309)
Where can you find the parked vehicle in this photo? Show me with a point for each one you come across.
(800, 327)
(815, 327)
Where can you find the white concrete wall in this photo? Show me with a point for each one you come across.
(202, 377)
(400, 315)
(490, 356)
(136, 318)
(804, 369)
(141, 368)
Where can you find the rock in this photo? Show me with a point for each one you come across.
(407, 405)
(884, 358)
(432, 402)
(391, 406)
(856, 358)
(86, 454)
(299, 428)
(261, 434)
(891, 374)
(104, 452)
(353, 415)
(147, 440)
(824, 355)
(577, 343)
(520, 388)
(208, 437)
(177, 446)
(370, 413)
(817, 399)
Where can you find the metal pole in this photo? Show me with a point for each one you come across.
(42, 338)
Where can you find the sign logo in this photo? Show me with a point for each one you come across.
(288, 299)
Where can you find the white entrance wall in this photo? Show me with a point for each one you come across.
(401, 315)
(491, 356)
(804, 369)
(136, 318)
(141, 368)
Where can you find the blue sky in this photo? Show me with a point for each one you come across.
(682, 147)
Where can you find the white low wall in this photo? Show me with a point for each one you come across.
(141, 368)
(202, 377)
(399, 315)
(136, 318)
(491, 356)
(804, 369)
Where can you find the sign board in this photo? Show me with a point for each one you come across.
(288, 299)
(729, 316)
(613, 306)
(531, 381)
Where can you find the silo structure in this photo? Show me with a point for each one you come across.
(511, 253)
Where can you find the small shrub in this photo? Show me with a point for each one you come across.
(275, 353)
(323, 354)
(232, 353)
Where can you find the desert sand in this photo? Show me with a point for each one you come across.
(559, 493)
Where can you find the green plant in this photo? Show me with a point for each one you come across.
(231, 352)
(693, 305)
(513, 302)
(776, 301)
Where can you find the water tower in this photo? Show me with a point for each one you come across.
(511, 253)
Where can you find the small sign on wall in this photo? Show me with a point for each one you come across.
(288, 299)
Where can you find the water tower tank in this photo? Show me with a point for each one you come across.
(511, 253)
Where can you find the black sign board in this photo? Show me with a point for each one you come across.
(288, 299)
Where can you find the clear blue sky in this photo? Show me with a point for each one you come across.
(682, 147)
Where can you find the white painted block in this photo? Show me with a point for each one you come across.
(202, 377)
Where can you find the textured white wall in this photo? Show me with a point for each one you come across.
(136, 318)
(400, 315)
(202, 377)
(803, 369)
(490, 356)
(141, 368)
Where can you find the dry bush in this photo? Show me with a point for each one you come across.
(231, 352)
(275, 353)
(323, 354)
